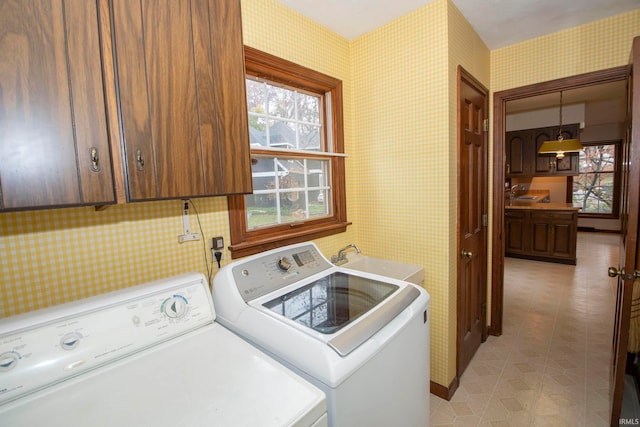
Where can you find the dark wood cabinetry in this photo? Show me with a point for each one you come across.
(515, 239)
(167, 77)
(518, 148)
(180, 74)
(54, 144)
(546, 235)
(523, 159)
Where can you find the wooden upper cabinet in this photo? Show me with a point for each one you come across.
(183, 113)
(54, 144)
(548, 164)
(518, 149)
(523, 159)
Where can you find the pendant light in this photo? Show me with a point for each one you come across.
(560, 146)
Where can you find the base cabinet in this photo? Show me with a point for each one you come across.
(542, 235)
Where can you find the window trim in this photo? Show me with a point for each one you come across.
(615, 214)
(243, 242)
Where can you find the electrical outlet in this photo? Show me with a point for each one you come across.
(217, 243)
(186, 235)
(188, 238)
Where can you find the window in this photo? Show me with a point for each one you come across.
(296, 137)
(596, 187)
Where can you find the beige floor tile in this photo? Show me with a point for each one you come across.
(551, 365)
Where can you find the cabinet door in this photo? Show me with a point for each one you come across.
(518, 157)
(54, 146)
(515, 232)
(568, 165)
(182, 97)
(544, 163)
(564, 235)
(540, 236)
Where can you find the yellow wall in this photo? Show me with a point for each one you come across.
(596, 46)
(405, 147)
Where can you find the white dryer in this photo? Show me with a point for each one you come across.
(361, 338)
(149, 355)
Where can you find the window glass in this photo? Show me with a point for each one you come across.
(287, 189)
(283, 118)
(593, 188)
(297, 145)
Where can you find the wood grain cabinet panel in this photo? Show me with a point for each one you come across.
(54, 144)
(544, 235)
(515, 232)
(518, 149)
(523, 159)
(180, 74)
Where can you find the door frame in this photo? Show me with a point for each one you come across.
(499, 128)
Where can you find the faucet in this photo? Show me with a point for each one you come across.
(341, 258)
(515, 189)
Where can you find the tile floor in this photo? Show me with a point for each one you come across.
(551, 365)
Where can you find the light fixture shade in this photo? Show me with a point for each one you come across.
(560, 146)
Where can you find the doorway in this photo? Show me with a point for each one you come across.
(499, 128)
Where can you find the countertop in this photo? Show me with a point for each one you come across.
(516, 204)
(537, 204)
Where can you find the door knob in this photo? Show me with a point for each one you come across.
(615, 272)
(466, 254)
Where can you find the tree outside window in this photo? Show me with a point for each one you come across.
(595, 188)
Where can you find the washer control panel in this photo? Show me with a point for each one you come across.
(48, 346)
(261, 274)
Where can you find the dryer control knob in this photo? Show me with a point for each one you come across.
(70, 340)
(8, 361)
(284, 264)
(174, 307)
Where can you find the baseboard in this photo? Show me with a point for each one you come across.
(597, 230)
(443, 392)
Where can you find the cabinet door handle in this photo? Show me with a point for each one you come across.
(466, 254)
(95, 159)
(139, 160)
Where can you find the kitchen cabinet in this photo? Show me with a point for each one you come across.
(182, 101)
(54, 143)
(548, 164)
(523, 159)
(518, 149)
(515, 237)
(541, 234)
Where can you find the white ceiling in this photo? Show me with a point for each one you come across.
(499, 23)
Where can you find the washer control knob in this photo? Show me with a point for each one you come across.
(8, 361)
(70, 340)
(284, 264)
(174, 307)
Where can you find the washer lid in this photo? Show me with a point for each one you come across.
(338, 299)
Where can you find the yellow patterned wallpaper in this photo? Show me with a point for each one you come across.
(595, 46)
(405, 145)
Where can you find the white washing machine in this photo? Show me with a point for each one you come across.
(150, 355)
(361, 338)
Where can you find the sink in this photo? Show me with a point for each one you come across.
(397, 270)
(526, 198)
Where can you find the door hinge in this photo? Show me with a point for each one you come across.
(485, 220)
(484, 309)
(485, 125)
